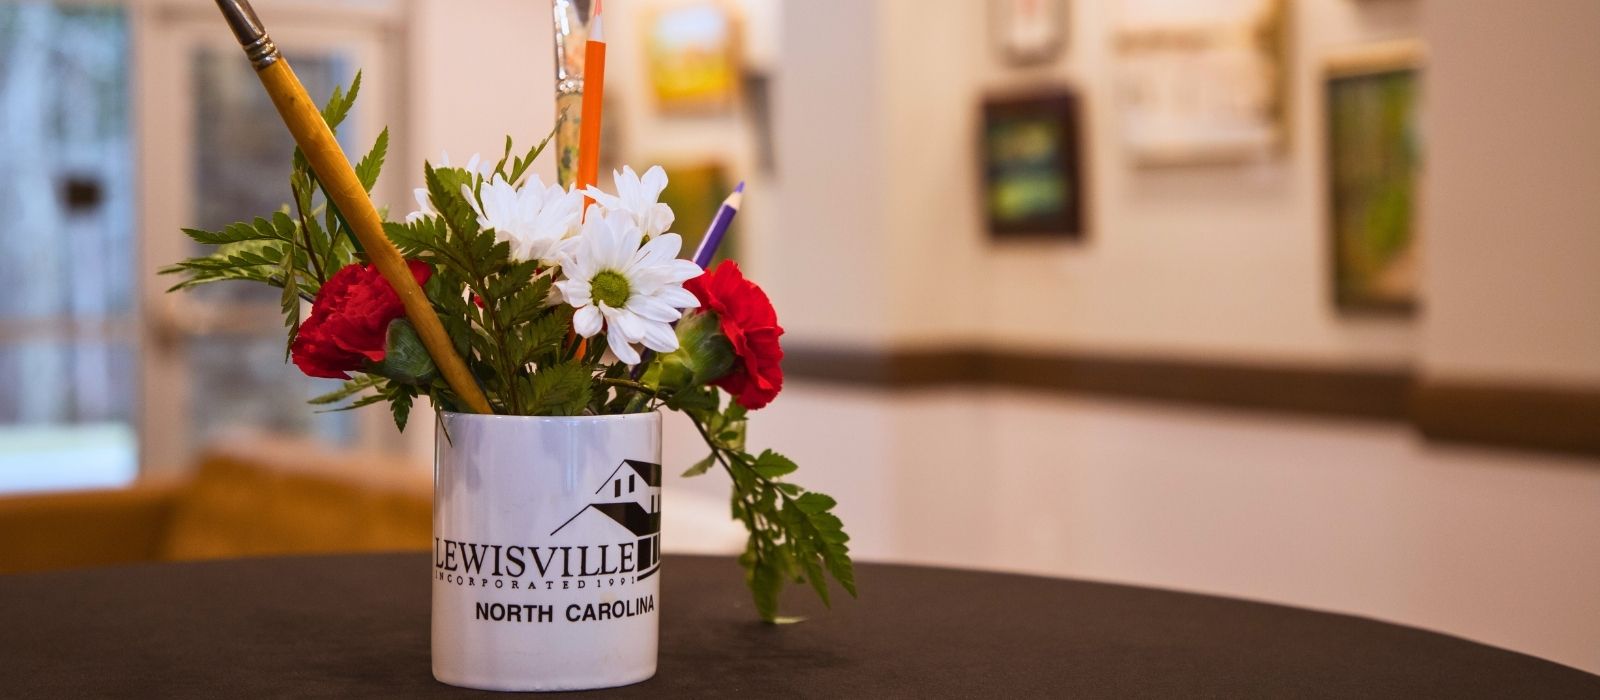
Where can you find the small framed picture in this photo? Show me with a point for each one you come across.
(695, 57)
(1373, 167)
(1029, 32)
(1030, 151)
(1202, 87)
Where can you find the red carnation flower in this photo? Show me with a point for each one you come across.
(349, 321)
(747, 318)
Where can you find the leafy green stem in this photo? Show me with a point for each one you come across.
(630, 384)
(305, 231)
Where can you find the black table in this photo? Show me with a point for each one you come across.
(357, 626)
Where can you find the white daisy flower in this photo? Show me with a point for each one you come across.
(634, 292)
(425, 203)
(534, 219)
(637, 198)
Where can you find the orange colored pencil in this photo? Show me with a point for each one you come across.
(594, 91)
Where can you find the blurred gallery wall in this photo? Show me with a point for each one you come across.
(1212, 283)
(1088, 293)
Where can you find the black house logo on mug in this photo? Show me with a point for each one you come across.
(631, 499)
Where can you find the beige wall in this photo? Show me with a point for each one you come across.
(475, 76)
(1193, 261)
(1222, 260)
(875, 118)
(1513, 192)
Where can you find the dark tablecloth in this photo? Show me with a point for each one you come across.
(357, 626)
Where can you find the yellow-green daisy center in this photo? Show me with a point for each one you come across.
(610, 288)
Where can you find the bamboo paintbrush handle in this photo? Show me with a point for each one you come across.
(328, 161)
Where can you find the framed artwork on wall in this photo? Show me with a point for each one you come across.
(694, 56)
(1374, 163)
(1028, 32)
(1032, 175)
(1202, 82)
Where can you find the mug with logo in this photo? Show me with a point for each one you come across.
(546, 551)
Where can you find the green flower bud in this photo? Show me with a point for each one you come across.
(405, 359)
(704, 355)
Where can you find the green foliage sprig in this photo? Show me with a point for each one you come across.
(794, 535)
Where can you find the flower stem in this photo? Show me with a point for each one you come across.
(630, 384)
(305, 231)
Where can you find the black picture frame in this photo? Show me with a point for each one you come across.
(1032, 171)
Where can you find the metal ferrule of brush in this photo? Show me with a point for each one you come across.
(252, 35)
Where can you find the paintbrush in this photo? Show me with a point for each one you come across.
(345, 191)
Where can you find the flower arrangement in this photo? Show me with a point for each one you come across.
(562, 302)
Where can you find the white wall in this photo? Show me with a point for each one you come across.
(1513, 191)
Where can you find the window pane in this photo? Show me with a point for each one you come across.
(241, 171)
(50, 381)
(66, 185)
(67, 358)
(241, 150)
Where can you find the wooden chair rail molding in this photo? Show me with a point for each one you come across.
(1509, 415)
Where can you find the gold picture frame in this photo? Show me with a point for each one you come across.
(695, 57)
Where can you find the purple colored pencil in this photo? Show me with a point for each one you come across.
(719, 228)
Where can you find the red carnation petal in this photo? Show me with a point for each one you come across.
(349, 321)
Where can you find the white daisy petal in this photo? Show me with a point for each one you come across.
(650, 308)
(624, 351)
(629, 323)
(472, 201)
(658, 250)
(653, 182)
(576, 291)
(677, 297)
(659, 337)
(658, 219)
(627, 184)
(681, 271)
(586, 322)
(607, 202)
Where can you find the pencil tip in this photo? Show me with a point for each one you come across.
(740, 188)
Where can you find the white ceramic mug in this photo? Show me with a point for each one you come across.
(546, 551)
